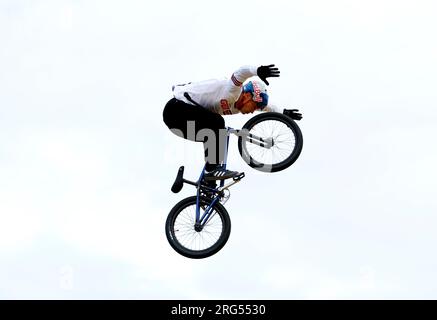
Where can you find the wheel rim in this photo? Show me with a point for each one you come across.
(284, 142)
(187, 237)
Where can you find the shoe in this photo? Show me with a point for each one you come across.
(220, 174)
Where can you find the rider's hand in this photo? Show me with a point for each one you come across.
(264, 72)
(293, 114)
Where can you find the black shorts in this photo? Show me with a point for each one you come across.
(188, 121)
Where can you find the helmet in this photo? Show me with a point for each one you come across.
(259, 92)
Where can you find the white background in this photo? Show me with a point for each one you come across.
(86, 162)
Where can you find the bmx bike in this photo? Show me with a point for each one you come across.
(199, 226)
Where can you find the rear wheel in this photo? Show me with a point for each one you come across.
(188, 239)
(286, 146)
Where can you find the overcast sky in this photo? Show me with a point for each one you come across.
(86, 163)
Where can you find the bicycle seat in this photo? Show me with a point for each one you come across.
(179, 181)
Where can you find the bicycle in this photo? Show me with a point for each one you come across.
(199, 226)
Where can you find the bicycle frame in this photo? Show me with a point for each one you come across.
(202, 220)
(219, 192)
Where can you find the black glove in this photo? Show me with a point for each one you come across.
(264, 72)
(293, 114)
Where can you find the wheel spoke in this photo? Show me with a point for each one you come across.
(283, 138)
(186, 235)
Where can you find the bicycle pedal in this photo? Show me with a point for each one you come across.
(239, 177)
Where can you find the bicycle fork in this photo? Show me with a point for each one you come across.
(208, 211)
(220, 192)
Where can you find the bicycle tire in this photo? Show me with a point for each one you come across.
(175, 241)
(283, 164)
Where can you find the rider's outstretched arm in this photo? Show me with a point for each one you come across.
(272, 108)
(292, 113)
(245, 72)
(242, 74)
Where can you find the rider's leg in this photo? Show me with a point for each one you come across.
(199, 124)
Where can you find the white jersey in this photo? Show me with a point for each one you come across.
(218, 96)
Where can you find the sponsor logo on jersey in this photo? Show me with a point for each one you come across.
(224, 104)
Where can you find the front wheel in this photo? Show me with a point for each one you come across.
(188, 240)
(270, 142)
